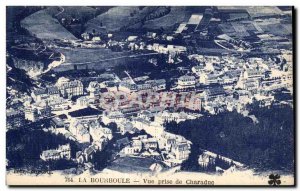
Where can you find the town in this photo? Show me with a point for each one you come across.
(122, 101)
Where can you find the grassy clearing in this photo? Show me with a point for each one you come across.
(43, 26)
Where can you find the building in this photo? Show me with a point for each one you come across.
(157, 85)
(150, 143)
(125, 127)
(69, 88)
(209, 78)
(87, 113)
(213, 92)
(167, 116)
(253, 74)
(127, 87)
(86, 36)
(39, 94)
(97, 132)
(57, 123)
(186, 82)
(114, 116)
(205, 160)
(152, 128)
(14, 119)
(81, 131)
(181, 150)
(43, 109)
(53, 92)
(62, 152)
(31, 114)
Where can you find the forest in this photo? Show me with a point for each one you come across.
(25, 146)
(266, 145)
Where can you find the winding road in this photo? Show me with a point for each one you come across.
(62, 10)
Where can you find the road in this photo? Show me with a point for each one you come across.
(62, 10)
(116, 58)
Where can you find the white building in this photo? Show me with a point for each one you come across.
(186, 82)
(62, 152)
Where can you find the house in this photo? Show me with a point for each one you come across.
(62, 152)
(253, 74)
(14, 118)
(181, 150)
(144, 87)
(88, 152)
(80, 157)
(153, 128)
(39, 94)
(167, 116)
(204, 160)
(86, 36)
(69, 88)
(213, 92)
(127, 87)
(197, 69)
(186, 82)
(151, 34)
(93, 88)
(150, 143)
(209, 78)
(125, 127)
(134, 148)
(97, 132)
(176, 49)
(53, 92)
(84, 101)
(43, 109)
(57, 123)
(113, 116)
(146, 114)
(157, 85)
(80, 130)
(182, 27)
(131, 38)
(31, 114)
(96, 39)
(100, 144)
(137, 144)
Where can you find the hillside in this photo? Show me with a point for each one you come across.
(43, 26)
(152, 18)
(114, 19)
(118, 18)
(176, 15)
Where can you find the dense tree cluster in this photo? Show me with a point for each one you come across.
(25, 146)
(267, 145)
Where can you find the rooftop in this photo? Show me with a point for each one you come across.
(85, 112)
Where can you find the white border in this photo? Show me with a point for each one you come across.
(5, 3)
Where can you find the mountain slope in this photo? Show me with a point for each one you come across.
(43, 26)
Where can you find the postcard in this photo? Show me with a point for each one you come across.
(150, 95)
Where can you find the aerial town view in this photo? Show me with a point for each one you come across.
(150, 95)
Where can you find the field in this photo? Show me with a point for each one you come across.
(278, 29)
(82, 55)
(256, 11)
(177, 15)
(96, 59)
(79, 12)
(43, 26)
(135, 18)
(117, 17)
